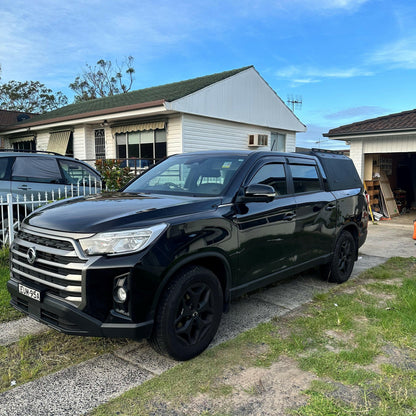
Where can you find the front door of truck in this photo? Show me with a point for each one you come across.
(266, 229)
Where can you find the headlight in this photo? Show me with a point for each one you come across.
(121, 242)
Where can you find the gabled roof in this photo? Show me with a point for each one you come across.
(147, 97)
(403, 121)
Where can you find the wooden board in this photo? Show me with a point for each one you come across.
(388, 197)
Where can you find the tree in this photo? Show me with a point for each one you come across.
(103, 80)
(30, 97)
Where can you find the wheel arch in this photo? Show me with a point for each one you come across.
(215, 262)
(353, 230)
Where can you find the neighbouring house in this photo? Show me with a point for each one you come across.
(386, 144)
(9, 118)
(230, 110)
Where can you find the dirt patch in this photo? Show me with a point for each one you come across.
(252, 391)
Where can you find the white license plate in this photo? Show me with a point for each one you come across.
(30, 293)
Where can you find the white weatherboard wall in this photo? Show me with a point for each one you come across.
(245, 98)
(200, 133)
(42, 140)
(390, 144)
(290, 141)
(174, 135)
(80, 137)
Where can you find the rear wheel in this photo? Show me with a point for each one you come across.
(340, 268)
(188, 315)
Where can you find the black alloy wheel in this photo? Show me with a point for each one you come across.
(189, 314)
(344, 258)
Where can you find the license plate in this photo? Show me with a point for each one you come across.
(30, 293)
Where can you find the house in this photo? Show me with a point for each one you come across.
(386, 144)
(9, 118)
(236, 109)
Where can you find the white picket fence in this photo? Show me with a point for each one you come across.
(14, 208)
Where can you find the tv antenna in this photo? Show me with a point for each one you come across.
(294, 102)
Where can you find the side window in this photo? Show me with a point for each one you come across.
(272, 174)
(4, 163)
(75, 173)
(305, 178)
(36, 169)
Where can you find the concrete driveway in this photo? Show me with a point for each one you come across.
(76, 390)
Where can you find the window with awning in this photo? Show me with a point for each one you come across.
(128, 128)
(58, 141)
(146, 141)
(26, 142)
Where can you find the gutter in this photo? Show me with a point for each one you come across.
(370, 132)
(71, 117)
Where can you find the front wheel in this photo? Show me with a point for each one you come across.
(189, 314)
(340, 268)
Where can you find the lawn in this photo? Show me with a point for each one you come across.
(351, 351)
(7, 313)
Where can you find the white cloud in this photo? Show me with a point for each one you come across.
(360, 112)
(398, 54)
(307, 75)
(305, 81)
(44, 40)
(332, 4)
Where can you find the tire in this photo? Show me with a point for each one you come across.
(340, 268)
(189, 314)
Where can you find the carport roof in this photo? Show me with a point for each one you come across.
(147, 97)
(403, 121)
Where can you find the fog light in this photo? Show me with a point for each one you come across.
(122, 294)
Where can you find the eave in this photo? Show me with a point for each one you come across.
(337, 136)
(89, 117)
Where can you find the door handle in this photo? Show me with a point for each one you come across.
(289, 216)
(330, 207)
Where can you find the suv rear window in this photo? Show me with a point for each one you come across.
(340, 171)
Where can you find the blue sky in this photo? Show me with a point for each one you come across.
(348, 60)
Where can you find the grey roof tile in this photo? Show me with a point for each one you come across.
(405, 120)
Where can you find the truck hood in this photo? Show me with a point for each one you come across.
(116, 211)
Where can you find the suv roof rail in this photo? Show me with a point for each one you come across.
(31, 151)
(335, 152)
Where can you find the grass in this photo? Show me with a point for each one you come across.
(359, 340)
(35, 356)
(7, 313)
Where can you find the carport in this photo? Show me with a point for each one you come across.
(385, 145)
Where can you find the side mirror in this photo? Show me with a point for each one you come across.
(258, 193)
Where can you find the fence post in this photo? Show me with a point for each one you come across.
(10, 217)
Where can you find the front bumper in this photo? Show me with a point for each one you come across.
(68, 319)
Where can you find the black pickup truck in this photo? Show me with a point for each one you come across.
(163, 258)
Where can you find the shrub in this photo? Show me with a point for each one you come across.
(114, 176)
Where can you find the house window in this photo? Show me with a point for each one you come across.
(99, 135)
(278, 142)
(29, 145)
(148, 144)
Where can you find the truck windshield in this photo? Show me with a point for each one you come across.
(194, 175)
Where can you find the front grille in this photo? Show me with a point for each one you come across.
(57, 268)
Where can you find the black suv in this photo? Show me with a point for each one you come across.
(163, 258)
